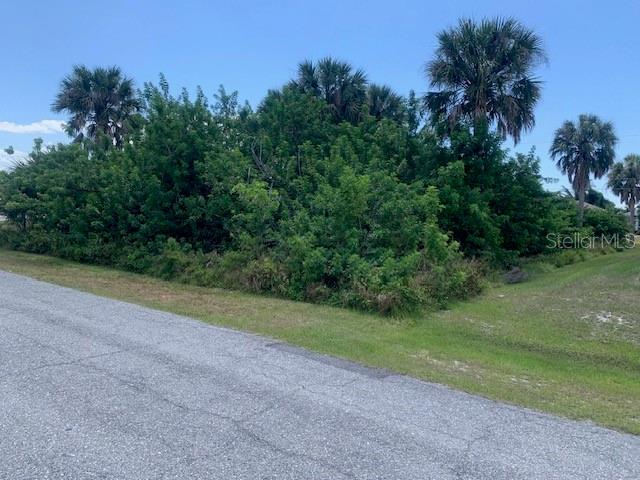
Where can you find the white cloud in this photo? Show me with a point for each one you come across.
(41, 127)
(8, 161)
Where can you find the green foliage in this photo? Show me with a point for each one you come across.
(290, 200)
(253, 221)
(597, 199)
(568, 257)
(606, 222)
(582, 150)
(495, 206)
(483, 72)
(102, 104)
(343, 88)
(624, 180)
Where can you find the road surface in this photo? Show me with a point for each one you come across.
(95, 388)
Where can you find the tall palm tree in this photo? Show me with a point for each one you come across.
(483, 72)
(581, 150)
(385, 103)
(342, 87)
(100, 102)
(624, 181)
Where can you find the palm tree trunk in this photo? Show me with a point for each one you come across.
(581, 194)
(632, 214)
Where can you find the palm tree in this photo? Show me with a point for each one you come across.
(624, 181)
(337, 83)
(385, 103)
(583, 150)
(100, 102)
(483, 73)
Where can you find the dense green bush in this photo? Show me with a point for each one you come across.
(374, 214)
(606, 222)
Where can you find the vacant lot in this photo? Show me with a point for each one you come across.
(567, 341)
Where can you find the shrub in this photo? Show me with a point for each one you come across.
(370, 213)
(265, 275)
(569, 257)
(607, 222)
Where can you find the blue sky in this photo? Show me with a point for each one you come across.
(594, 59)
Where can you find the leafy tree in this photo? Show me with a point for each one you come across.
(607, 223)
(624, 181)
(342, 87)
(253, 218)
(483, 73)
(101, 102)
(285, 121)
(597, 199)
(592, 197)
(494, 205)
(582, 150)
(182, 139)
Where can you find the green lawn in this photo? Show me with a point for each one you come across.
(566, 342)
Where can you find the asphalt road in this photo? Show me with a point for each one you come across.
(94, 388)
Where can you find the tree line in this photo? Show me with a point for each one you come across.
(334, 189)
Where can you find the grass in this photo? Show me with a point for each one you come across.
(566, 342)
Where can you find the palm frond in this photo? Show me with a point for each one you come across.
(483, 71)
